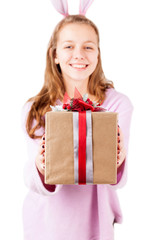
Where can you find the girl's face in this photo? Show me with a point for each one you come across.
(77, 51)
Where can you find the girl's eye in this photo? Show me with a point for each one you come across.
(89, 48)
(69, 47)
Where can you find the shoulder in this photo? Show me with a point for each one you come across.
(27, 106)
(115, 100)
(111, 93)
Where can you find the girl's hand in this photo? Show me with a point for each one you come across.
(40, 159)
(121, 152)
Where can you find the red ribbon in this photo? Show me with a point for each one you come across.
(82, 148)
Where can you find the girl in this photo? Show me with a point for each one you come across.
(72, 212)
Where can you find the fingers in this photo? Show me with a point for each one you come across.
(40, 159)
(120, 142)
(40, 163)
(42, 151)
(42, 148)
(121, 157)
(42, 141)
(121, 152)
(42, 145)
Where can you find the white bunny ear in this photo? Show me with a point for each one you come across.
(84, 5)
(61, 6)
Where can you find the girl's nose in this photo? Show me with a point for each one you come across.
(78, 53)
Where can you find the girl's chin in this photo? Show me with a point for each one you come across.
(79, 79)
(78, 76)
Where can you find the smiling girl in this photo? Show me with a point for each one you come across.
(72, 212)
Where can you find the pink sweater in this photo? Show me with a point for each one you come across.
(71, 212)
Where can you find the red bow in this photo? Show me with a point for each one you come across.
(78, 104)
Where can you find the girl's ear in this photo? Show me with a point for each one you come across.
(52, 56)
(56, 60)
(50, 52)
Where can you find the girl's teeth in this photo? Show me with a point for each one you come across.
(79, 66)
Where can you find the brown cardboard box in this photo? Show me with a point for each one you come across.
(59, 162)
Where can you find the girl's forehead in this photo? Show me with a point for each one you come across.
(74, 32)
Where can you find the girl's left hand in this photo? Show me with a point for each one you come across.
(121, 151)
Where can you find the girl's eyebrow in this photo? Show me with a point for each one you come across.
(67, 41)
(89, 41)
(70, 41)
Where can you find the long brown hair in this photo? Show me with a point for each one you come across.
(53, 87)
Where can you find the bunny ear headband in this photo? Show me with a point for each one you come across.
(62, 6)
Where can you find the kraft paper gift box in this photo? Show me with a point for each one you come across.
(62, 164)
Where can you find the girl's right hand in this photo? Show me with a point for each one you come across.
(40, 159)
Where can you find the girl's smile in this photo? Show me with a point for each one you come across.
(79, 66)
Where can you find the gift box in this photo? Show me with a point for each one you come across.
(81, 147)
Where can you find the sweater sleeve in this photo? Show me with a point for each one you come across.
(32, 177)
(122, 105)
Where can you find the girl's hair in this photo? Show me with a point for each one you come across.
(54, 88)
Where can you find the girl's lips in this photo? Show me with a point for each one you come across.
(79, 66)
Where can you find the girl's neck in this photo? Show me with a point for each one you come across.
(82, 87)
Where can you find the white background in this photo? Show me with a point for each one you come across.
(130, 46)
